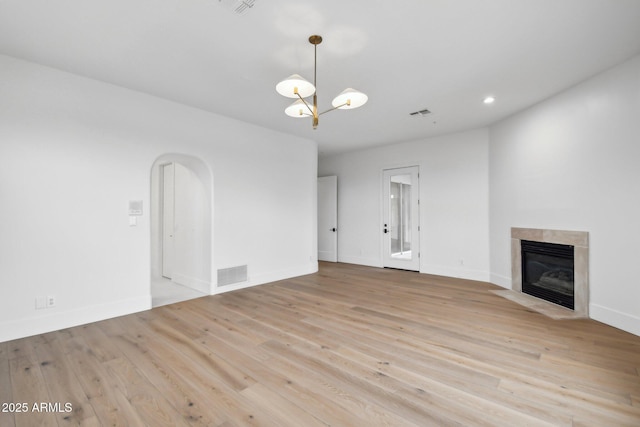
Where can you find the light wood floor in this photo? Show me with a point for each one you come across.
(349, 346)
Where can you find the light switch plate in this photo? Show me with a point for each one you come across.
(135, 207)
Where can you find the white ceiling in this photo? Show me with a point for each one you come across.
(443, 55)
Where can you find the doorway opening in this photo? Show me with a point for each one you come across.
(401, 248)
(328, 218)
(181, 229)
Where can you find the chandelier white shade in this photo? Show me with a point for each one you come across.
(349, 99)
(298, 109)
(296, 86)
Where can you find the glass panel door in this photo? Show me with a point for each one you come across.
(400, 218)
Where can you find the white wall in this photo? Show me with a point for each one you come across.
(453, 202)
(74, 152)
(573, 163)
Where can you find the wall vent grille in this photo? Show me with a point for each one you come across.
(232, 275)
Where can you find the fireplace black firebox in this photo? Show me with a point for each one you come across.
(547, 272)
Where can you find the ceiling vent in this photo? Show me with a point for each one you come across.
(238, 6)
(420, 113)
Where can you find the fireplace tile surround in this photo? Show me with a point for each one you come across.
(578, 239)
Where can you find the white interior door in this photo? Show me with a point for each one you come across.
(328, 218)
(168, 212)
(401, 218)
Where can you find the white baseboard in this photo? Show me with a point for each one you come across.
(617, 319)
(326, 256)
(56, 320)
(370, 262)
(502, 281)
(460, 273)
(192, 282)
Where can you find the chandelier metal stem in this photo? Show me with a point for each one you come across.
(315, 40)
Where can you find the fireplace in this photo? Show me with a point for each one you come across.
(551, 262)
(548, 272)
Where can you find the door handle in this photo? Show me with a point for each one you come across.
(385, 231)
(333, 229)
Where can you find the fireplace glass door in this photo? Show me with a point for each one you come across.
(548, 272)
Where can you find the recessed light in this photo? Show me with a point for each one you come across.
(489, 100)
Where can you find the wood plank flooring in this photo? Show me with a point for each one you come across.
(348, 346)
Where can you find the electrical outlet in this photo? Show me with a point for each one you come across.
(51, 301)
(41, 302)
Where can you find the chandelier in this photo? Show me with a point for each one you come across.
(298, 88)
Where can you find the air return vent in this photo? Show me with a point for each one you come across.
(232, 275)
(420, 113)
(238, 6)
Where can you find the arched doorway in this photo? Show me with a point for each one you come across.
(181, 229)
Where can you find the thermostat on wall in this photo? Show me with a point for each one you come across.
(135, 207)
